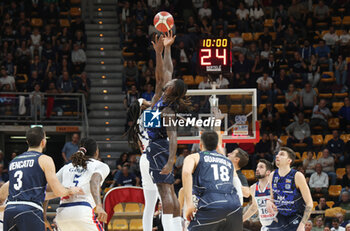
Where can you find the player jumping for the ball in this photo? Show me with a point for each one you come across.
(290, 196)
(260, 192)
(162, 147)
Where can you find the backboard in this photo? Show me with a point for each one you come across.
(239, 108)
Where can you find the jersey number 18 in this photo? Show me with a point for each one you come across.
(223, 172)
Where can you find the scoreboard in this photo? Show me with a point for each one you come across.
(214, 56)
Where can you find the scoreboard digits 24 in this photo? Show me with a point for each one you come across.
(214, 55)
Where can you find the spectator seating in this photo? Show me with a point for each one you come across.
(330, 204)
(334, 190)
(249, 174)
(119, 225)
(340, 173)
(136, 225)
(132, 208)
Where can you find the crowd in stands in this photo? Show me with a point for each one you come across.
(295, 53)
(42, 49)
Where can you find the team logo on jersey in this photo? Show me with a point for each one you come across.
(288, 186)
(288, 181)
(151, 119)
(261, 202)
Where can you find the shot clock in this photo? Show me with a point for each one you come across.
(214, 55)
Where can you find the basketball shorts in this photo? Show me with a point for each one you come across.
(23, 217)
(77, 216)
(232, 222)
(147, 182)
(285, 223)
(157, 155)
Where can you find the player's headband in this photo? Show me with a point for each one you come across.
(82, 150)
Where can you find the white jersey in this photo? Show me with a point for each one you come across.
(143, 135)
(71, 176)
(261, 199)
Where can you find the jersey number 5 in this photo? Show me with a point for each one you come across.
(18, 175)
(223, 172)
(75, 180)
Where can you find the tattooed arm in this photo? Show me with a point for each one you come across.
(305, 192)
(95, 186)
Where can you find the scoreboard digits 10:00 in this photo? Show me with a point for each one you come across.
(214, 55)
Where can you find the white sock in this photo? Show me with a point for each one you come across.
(151, 197)
(167, 221)
(177, 221)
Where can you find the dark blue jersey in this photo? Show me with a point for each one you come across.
(286, 195)
(213, 182)
(160, 132)
(27, 179)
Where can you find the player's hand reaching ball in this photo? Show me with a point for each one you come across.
(271, 207)
(169, 38)
(158, 44)
(189, 213)
(101, 214)
(167, 168)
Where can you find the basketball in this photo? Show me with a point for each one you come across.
(163, 21)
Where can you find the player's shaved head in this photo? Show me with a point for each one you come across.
(34, 136)
(210, 140)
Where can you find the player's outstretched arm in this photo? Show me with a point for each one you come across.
(47, 165)
(169, 39)
(253, 208)
(95, 188)
(158, 47)
(169, 115)
(300, 182)
(188, 168)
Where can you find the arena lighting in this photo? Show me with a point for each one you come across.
(105, 91)
(102, 62)
(36, 125)
(23, 137)
(101, 35)
(101, 48)
(100, 22)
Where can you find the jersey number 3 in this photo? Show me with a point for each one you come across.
(18, 175)
(223, 172)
